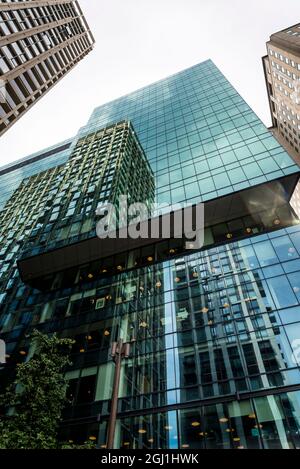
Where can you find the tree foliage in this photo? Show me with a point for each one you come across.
(35, 400)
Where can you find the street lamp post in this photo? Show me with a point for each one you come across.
(119, 350)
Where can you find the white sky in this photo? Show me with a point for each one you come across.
(141, 41)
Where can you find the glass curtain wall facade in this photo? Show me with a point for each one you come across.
(13, 174)
(214, 333)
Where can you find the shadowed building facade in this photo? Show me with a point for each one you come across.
(41, 41)
(213, 332)
(282, 73)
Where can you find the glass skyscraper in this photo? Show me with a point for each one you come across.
(13, 174)
(214, 333)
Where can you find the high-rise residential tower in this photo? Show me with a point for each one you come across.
(40, 42)
(214, 332)
(282, 73)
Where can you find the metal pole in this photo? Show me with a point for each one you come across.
(115, 395)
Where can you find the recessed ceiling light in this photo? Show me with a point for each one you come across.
(195, 424)
(143, 324)
(223, 420)
(142, 431)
